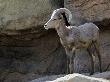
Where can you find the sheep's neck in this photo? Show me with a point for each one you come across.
(62, 31)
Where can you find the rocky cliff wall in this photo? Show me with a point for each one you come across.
(28, 51)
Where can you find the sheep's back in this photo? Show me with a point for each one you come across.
(88, 32)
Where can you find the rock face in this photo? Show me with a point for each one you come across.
(28, 51)
(23, 14)
(40, 57)
(89, 10)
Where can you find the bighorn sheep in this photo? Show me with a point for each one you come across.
(73, 37)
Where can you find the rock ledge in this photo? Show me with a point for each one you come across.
(78, 78)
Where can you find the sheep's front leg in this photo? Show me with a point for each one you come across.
(71, 65)
(70, 62)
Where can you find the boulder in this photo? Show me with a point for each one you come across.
(78, 78)
(70, 78)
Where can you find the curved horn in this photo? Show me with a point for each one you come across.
(64, 10)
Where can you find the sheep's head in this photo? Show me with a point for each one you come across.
(57, 17)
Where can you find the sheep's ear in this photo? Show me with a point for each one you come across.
(60, 16)
(64, 16)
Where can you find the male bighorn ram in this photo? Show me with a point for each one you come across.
(74, 37)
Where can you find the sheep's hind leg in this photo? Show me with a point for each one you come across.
(92, 62)
(98, 54)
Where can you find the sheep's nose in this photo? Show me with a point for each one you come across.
(45, 25)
